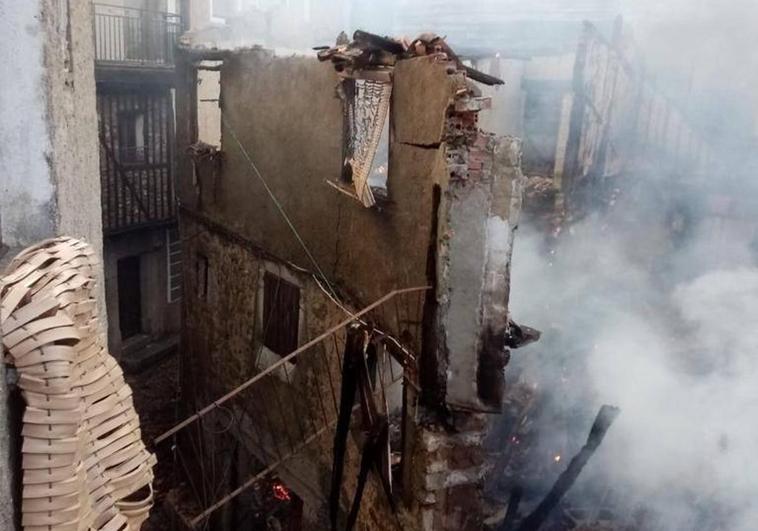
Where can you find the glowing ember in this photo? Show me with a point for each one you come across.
(281, 492)
(557, 458)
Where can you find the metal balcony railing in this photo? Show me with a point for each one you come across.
(126, 36)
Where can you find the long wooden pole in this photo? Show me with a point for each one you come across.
(603, 421)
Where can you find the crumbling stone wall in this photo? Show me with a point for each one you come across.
(49, 162)
(454, 195)
(478, 218)
(220, 344)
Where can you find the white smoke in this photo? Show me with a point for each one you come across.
(677, 352)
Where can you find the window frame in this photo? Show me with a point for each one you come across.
(202, 276)
(264, 356)
(132, 122)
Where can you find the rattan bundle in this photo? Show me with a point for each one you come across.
(84, 464)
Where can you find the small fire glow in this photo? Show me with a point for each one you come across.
(281, 493)
(557, 458)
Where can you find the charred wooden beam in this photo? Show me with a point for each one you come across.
(377, 41)
(205, 54)
(481, 77)
(519, 335)
(354, 346)
(512, 512)
(603, 421)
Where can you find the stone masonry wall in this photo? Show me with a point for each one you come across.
(220, 343)
(478, 217)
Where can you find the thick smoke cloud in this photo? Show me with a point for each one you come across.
(674, 347)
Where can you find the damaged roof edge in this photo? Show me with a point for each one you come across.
(367, 51)
(360, 53)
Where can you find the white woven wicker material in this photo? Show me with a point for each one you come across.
(85, 466)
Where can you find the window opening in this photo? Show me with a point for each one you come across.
(131, 137)
(281, 314)
(201, 274)
(208, 103)
(366, 138)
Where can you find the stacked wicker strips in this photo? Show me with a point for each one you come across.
(83, 457)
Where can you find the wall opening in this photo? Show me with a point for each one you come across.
(221, 10)
(366, 138)
(209, 103)
(542, 115)
(131, 134)
(201, 276)
(281, 314)
(129, 296)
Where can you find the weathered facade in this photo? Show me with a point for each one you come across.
(49, 183)
(134, 70)
(49, 160)
(272, 213)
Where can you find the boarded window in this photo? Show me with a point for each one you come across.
(281, 314)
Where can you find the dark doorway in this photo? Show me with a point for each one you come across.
(129, 297)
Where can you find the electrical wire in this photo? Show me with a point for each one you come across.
(278, 205)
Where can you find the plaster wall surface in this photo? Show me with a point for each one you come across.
(480, 216)
(72, 118)
(49, 175)
(285, 113)
(466, 265)
(27, 201)
(49, 172)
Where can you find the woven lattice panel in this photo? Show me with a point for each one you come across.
(84, 464)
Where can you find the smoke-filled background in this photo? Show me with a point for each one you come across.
(674, 346)
(657, 315)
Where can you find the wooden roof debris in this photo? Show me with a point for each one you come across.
(370, 54)
(365, 65)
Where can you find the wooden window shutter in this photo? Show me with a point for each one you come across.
(281, 314)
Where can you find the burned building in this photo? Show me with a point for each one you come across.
(354, 192)
(593, 122)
